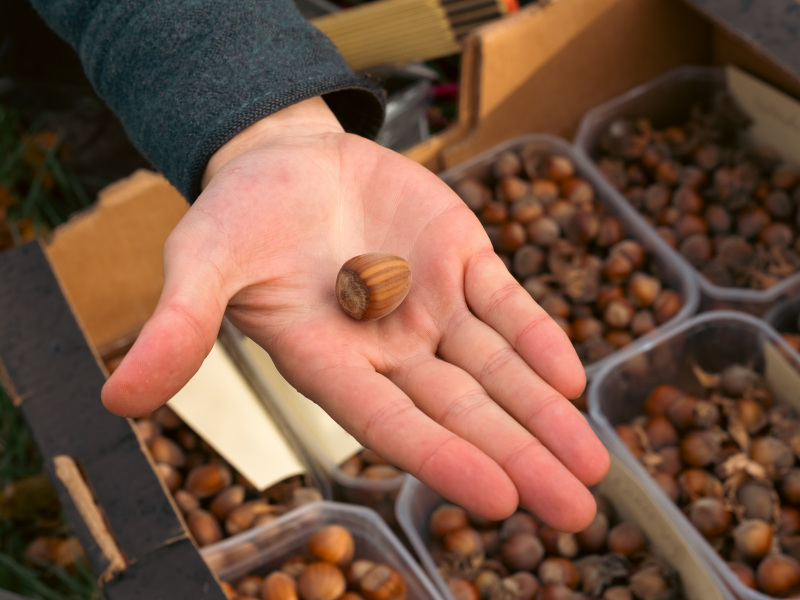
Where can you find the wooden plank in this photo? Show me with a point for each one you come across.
(175, 572)
(55, 378)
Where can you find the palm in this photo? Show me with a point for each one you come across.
(462, 383)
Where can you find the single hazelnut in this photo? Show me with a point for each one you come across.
(495, 212)
(474, 194)
(543, 231)
(522, 551)
(228, 499)
(372, 285)
(511, 188)
(710, 516)
(777, 574)
(446, 518)
(164, 450)
(560, 570)
(278, 586)
(752, 538)
(462, 588)
(207, 480)
(507, 164)
(382, 582)
(627, 539)
(332, 543)
(204, 527)
(250, 586)
(321, 581)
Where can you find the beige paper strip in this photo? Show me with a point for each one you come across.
(220, 406)
(68, 473)
(315, 425)
(776, 116)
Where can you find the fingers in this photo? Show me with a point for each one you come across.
(546, 485)
(383, 418)
(174, 342)
(541, 410)
(499, 301)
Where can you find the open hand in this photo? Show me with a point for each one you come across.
(464, 385)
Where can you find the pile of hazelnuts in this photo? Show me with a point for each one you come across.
(568, 250)
(215, 500)
(328, 568)
(727, 455)
(730, 209)
(521, 558)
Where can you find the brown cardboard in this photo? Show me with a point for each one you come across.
(108, 258)
(90, 289)
(541, 69)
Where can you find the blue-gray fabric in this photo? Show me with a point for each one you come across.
(184, 76)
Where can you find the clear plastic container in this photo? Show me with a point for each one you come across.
(784, 316)
(671, 271)
(377, 494)
(632, 502)
(712, 341)
(666, 100)
(263, 549)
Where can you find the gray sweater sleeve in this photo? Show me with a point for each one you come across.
(184, 76)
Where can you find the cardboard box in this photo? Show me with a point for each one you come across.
(540, 69)
(66, 302)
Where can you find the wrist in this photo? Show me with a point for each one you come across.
(308, 117)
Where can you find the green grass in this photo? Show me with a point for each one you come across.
(37, 190)
(37, 193)
(20, 459)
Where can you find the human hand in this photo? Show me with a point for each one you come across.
(462, 386)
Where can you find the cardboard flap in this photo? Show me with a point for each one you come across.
(542, 68)
(108, 258)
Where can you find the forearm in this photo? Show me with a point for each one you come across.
(186, 77)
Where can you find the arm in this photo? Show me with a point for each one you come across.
(185, 77)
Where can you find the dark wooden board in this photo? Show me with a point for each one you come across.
(55, 378)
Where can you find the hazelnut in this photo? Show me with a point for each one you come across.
(528, 260)
(522, 551)
(752, 538)
(382, 582)
(744, 573)
(321, 581)
(228, 499)
(559, 570)
(446, 518)
(465, 544)
(333, 544)
(627, 539)
(370, 286)
(709, 516)
(777, 574)
(775, 455)
(511, 236)
(164, 450)
(474, 194)
(593, 537)
(643, 289)
(206, 480)
(462, 588)
(660, 398)
(204, 527)
(543, 230)
(507, 164)
(278, 586)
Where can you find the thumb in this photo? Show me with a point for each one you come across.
(175, 340)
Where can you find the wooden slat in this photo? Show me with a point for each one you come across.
(55, 379)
